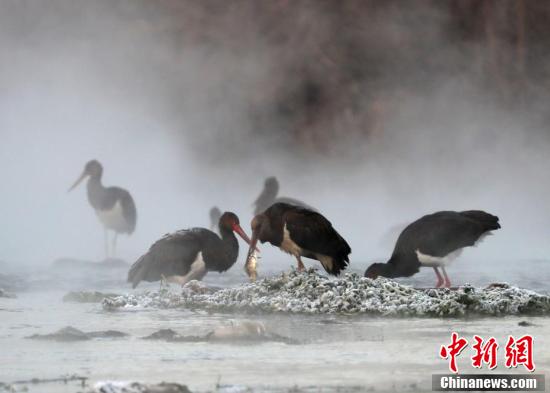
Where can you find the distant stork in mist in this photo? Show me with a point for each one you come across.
(268, 197)
(215, 214)
(302, 233)
(189, 254)
(434, 241)
(114, 206)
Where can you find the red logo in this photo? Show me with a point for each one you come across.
(520, 351)
(453, 350)
(485, 352)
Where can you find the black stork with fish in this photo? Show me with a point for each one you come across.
(189, 254)
(268, 197)
(434, 241)
(300, 232)
(114, 206)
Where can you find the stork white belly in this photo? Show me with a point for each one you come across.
(288, 245)
(113, 218)
(196, 272)
(430, 260)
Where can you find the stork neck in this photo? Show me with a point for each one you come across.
(265, 199)
(230, 244)
(400, 265)
(95, 191)
(388, 270)
(94, 179)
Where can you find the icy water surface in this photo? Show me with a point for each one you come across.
(317, 351)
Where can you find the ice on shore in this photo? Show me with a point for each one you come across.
(312, 293)
(6, 295)
(10, 283)
(137, 387)
(241, 332)
(86, 296)
(74, 263)
(70, 333)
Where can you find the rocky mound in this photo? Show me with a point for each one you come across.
(312, 293)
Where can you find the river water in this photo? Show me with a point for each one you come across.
(328, 352)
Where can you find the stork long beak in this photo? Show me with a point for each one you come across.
(239, 231)
(77, 182)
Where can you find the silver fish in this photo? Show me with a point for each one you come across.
(251, 266)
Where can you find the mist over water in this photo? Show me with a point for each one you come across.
(375, 112)
(190, 104)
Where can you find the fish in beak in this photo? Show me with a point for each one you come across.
(251, 267)
(252, 258)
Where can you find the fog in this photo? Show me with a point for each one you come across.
(190, 106)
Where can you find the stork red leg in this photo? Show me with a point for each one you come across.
(301, 266)
(447, 283)
(440, 280)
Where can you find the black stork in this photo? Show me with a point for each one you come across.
(300, 232)
(114, 206)
(434, 241)
(189, 254)
(215, 214)
(268, 197)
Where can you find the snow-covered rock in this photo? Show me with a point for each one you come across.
(310, 292)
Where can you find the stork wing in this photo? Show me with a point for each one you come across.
(129, 211)
(171, 255)
(117, 194)
(294, 202)
(312, 231)
(440, 235)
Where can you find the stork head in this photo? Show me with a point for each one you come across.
(230, 222)
(272, 184)
(93, 168)
(260, 227)
(375, 270)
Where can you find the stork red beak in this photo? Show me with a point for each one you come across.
(239, 231)
(77, 182)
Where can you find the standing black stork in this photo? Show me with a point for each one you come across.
(434, 241)
(189, 254)
(114, 206)
(300, 232)
(268, 197)
(215, 214)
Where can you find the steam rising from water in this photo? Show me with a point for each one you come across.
(190, 105)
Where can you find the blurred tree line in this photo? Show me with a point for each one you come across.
(345, 64)
(327, 67)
